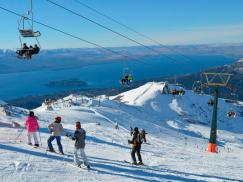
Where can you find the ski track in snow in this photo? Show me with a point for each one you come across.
(178, 130)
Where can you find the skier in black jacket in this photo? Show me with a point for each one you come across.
(136, 147)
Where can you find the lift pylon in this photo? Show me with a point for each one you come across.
(215, 80)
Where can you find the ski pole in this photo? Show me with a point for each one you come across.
(40, 137)
(15, 140)
(67, 143)
(46, 150)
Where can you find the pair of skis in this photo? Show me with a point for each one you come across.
(80, 166)
(134, 164)
(73, 165)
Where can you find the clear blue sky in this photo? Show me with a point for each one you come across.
(168, 21)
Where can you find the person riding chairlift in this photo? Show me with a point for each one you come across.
(125, 80)
(174, 92)
(211, 102)
(35, 50)
(24, 52)
(130, 78)
(27, 52)
(231, 114)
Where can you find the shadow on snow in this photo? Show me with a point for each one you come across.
(119, 168)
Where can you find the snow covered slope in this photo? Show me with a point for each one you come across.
(178, 129)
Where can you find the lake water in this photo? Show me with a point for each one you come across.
(106, 75)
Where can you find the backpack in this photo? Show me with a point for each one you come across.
(138, 140)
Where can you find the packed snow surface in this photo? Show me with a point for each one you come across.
(178, 128)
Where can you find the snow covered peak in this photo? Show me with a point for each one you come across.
(141, 95)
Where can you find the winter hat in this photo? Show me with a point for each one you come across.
(136, 129)
(78, 125)
(31, 114)
(58, 119)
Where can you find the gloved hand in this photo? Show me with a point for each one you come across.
(129, 141)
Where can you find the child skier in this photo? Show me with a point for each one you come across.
(136, 146)
(79, 137)
(57, 131)
(32, 126)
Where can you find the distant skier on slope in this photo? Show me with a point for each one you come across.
(136, 146)
(131, 131)
(79, 136)
(117, 126)
(143, 135)
(32, 126)
(57, 131)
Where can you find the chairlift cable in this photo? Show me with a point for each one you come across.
(138, 32)
(133, 30)
(111, 30)
(127, 27)
(71, 35)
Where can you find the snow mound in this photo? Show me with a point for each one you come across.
(175, 107)
(143, 94)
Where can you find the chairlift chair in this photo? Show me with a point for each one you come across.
(27, 32)
(127, 77)
(231, 114)
(25, 28)
(234, 97)
(197, 87)
(211, 102)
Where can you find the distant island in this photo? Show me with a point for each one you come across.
(67, 83)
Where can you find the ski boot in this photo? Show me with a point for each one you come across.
(51, 150)
(134, 163)
(140, 163)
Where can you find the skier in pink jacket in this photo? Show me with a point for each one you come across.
(32, 126)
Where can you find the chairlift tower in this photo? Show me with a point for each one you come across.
(215, 80)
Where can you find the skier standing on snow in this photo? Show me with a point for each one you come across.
(136, 146)
(57, 131)
(117, 126)
(79, 137)
(131, 131)
(143, 135)
(32, 126)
